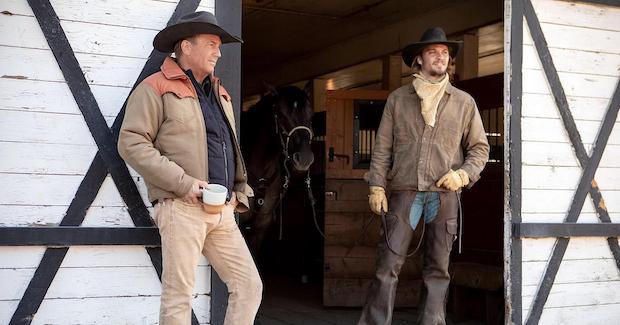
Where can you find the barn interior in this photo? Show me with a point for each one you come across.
(348, 54)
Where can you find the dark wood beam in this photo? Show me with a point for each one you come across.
(456, 18)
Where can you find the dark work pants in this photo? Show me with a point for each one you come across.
(438, 239)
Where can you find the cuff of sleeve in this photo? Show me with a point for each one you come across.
(185, 185)
(243, 204)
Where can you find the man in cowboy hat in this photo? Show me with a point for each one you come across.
(179, 134)
(432, 141)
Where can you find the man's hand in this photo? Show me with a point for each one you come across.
(453, 180)
(377, 200)
(194, 194)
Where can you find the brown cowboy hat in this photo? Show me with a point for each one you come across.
(199, 22)
(434, 35)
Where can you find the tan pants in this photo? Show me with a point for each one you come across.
(186, 232)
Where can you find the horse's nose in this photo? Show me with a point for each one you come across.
(303, 161)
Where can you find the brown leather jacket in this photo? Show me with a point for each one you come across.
(418, 155)
(163, 136)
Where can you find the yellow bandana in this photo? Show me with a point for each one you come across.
(430, 93)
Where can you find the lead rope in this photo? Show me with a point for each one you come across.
(458, 198)
(312, 202)
(387, 239)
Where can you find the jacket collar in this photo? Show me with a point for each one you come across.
(172, 71)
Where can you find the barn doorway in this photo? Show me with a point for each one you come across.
(314, 280)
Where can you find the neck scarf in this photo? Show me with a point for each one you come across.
(430, 93)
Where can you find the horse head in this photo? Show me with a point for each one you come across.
(293, 123)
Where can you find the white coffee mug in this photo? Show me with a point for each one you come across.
(214, 197)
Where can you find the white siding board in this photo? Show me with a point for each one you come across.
(7, 308)
(20, 256)
(14, 282)
(552, 130)
(55, 97)
(110, 256)
(563, 178)
(604, 64)
(577, 294)
(537, 153)
(111, 310)
(45, 216)
(582, 315)
(574, 84)
(53, 190)
(573, 271)
(579, 248)
(43, 158)
(573, 13)
(147, 14)
(576, 38)
(97, 69)
(44, 128)
(582, 108)
(538, 201)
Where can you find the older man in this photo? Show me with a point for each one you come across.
(179, 134)
(432, 140)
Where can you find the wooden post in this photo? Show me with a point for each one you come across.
(319, 93)
(467, 59)
(392, 67)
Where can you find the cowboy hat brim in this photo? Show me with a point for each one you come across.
(414, 49)
(165, 40)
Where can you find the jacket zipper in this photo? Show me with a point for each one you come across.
(234, 139)
(226, 167)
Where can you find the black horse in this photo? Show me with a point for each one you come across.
(276, 135)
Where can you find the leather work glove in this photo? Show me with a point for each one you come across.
(453, 180)
(377, 200)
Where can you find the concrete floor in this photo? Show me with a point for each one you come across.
(289, 302)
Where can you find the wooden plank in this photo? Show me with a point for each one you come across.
(552, 130)
(351, 229)
(552, 177)
(538, 250)
(578, 14)
(98, 69)
(595, 63)
(55, 97)
(54, 190)
(346, 206)
(148, 14)
(44, 128)
(577, 294)
(596, 314)
(45, 215)
(334, 136)
(561, 154)
(392, 67)
(84, 37)
(491, 64)
(573, 271)
(582, 108)
(467, 58)
(577, 38)
(43, 158)
(7, 308)
(558, 201)
(359, 262)
(574, 84)
(119, 281)
(14, 282)
(352, 292)
(111, 310)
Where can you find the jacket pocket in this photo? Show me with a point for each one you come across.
(451, 230)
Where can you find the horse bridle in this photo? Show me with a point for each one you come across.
(285, 137)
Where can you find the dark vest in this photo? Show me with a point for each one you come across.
(221, 151)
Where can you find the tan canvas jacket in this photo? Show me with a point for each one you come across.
(413, 155)
(163, 135)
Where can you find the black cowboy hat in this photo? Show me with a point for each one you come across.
(199, 22)
(434, 35)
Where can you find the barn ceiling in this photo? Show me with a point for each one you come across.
(286, 41)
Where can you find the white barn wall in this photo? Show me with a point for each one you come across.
(584, 41)
(46, 149)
